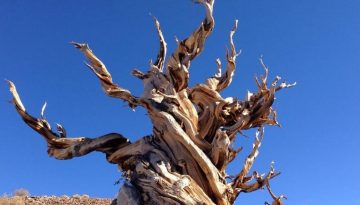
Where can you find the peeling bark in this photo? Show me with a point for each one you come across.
(184, 160)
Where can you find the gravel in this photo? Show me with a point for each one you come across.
(55, 200)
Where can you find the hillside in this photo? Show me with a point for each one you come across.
(54, 200)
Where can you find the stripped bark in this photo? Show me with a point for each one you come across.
(184, 160)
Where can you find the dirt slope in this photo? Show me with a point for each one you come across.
(54, 200)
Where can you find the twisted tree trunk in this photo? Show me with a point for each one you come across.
(184, 160)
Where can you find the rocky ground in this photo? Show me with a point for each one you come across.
(54, 200)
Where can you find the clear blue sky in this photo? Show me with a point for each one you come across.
(315, 43)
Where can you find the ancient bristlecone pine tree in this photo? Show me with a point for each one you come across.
(184, 160)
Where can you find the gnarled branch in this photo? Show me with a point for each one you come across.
(159, 63)
(188, 49)
(241, 181)
(277, 199)
(222, 80)
(99, 69)
(160, 59)
(61, 147)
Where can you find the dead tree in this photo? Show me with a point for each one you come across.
(184, 160)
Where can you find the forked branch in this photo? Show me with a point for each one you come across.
(222, 80)
(188, 49)
(250, 159)
(242, 181)
(277, 199)
(61, 147)
(160, 59)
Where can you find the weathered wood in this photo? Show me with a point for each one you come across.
(277, 199)
(104, 76)
(184, 160)
(128, 195)
(61, 147)
(179, 62)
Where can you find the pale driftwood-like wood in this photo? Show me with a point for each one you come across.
(61, 147)
(184, 160)
(188, 49)
(277, 199)
(104, 76)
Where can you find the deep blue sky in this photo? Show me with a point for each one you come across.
(315, 43)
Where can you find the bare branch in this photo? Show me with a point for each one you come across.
(264, 79)
(260, 182)
(225, 80)
(66, 148)
(220, 81)
(285, 85)
(250, 159)
(266, 69)
(218, 65)
(99, 69)
(137, 73)
(188, 49)
(256, 110)
(277, 199)
(159, 63)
